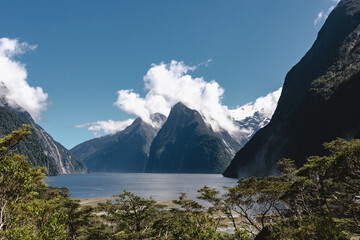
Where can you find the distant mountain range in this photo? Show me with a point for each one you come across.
(320, 100)
(39, 148)
(184, 143)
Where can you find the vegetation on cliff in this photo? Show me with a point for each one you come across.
(319, 100)
(30, 147)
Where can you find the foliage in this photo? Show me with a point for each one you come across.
(28, 208)
(132, 217)
(191, 222)
(345, 67)
(316, 201)
(29, 147)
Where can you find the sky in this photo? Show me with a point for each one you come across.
(85, 68)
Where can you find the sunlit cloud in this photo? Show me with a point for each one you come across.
(263, 105)
(168, 84)
(100, 128)
(13, 84)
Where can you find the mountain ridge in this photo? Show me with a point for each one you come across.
(30, 147)
(251, 118)
(318, 102)
(124, 151)
(63, 159)
(186, 144)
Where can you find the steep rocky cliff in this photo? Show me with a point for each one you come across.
(186, 144)
(30, 147)
(320, 100)
(63, 159)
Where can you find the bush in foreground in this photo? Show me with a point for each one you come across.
(316, 201)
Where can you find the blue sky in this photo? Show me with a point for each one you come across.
(89, 50)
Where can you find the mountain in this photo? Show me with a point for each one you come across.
(30, 147)
(63, 159)
(255, 115)
(129, 150)
(125, 151)
(186, 144)
(320, 100)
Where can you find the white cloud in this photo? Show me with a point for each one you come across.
(99, 128)
(263, 105)
(168, 84)
(13, 74)
(322, 15)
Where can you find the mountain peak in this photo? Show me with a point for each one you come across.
(186, 144)
(179, 105)
(124, 151)
(185, 113)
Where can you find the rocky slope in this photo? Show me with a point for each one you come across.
(63, 159)
(125, 151)
(320, 100)
(184, 135)
(30, 147)
(186, 144)
(128, 150)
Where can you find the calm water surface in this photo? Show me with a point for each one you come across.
(160, 186)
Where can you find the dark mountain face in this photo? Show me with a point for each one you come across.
(62, 158)
(125, 151)
(320, 100)
(185, 144)
(30, 147)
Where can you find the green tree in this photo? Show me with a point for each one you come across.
(131, 216)
(319, 198)
(29, 209)
(17, 184)
(316, 201)
(191, 221)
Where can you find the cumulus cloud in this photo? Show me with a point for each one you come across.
(168, 84)
(322, 15)
(263, 105)
(99, 128)
(13, 85)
